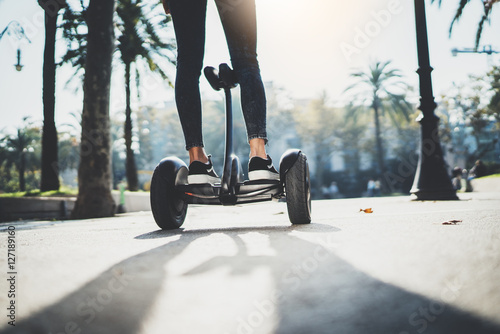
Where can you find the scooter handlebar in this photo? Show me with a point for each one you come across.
(227, 75)
(212, 76)
(224, 78)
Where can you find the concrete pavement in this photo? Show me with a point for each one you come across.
(246, 270)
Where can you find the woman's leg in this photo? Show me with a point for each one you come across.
(239, 22)
(188, 17)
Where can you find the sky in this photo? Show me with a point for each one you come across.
(305, 47)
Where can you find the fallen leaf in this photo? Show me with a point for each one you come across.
(369, 210)
(452, 222)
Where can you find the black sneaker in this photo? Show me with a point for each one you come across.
(201, 173)
(262, 169)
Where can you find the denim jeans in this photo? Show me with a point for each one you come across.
(239, 22)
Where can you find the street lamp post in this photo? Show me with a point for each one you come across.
(13, 27)
(432, 181)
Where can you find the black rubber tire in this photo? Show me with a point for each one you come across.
(169, 209)
(298, 191)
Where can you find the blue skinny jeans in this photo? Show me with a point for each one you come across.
(238, 19)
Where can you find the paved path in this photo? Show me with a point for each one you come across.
(246, 270)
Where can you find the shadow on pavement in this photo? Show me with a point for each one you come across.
(316, 292)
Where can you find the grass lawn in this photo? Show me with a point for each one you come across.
(62, 192)
(490, 176)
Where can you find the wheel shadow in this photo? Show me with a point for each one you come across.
(117, 301)
(316, 291)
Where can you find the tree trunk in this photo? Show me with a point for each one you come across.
(131, 169)
(378, 138)
(50, 170)
(21, 169)
(94, 174)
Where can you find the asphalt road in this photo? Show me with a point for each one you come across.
(247, 270)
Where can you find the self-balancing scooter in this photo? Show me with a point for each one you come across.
(171, 193)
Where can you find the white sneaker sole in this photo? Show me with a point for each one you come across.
(263, 175)
(202, 179)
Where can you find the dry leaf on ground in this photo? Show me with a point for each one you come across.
(452, 222)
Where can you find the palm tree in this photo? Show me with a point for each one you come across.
(374, 89)
(50, 171)
(94, 174)
(16, 150)
(137, 23)
(138, 40)
(487, 4)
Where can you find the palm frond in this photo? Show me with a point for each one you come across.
(487, 4)
(458, 14)
(354, 85)
(138, 83)
(487, 10)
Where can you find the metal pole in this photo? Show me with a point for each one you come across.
(226, 174)
(432, 181)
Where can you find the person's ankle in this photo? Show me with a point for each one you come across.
(198, 154)
(258, 148)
